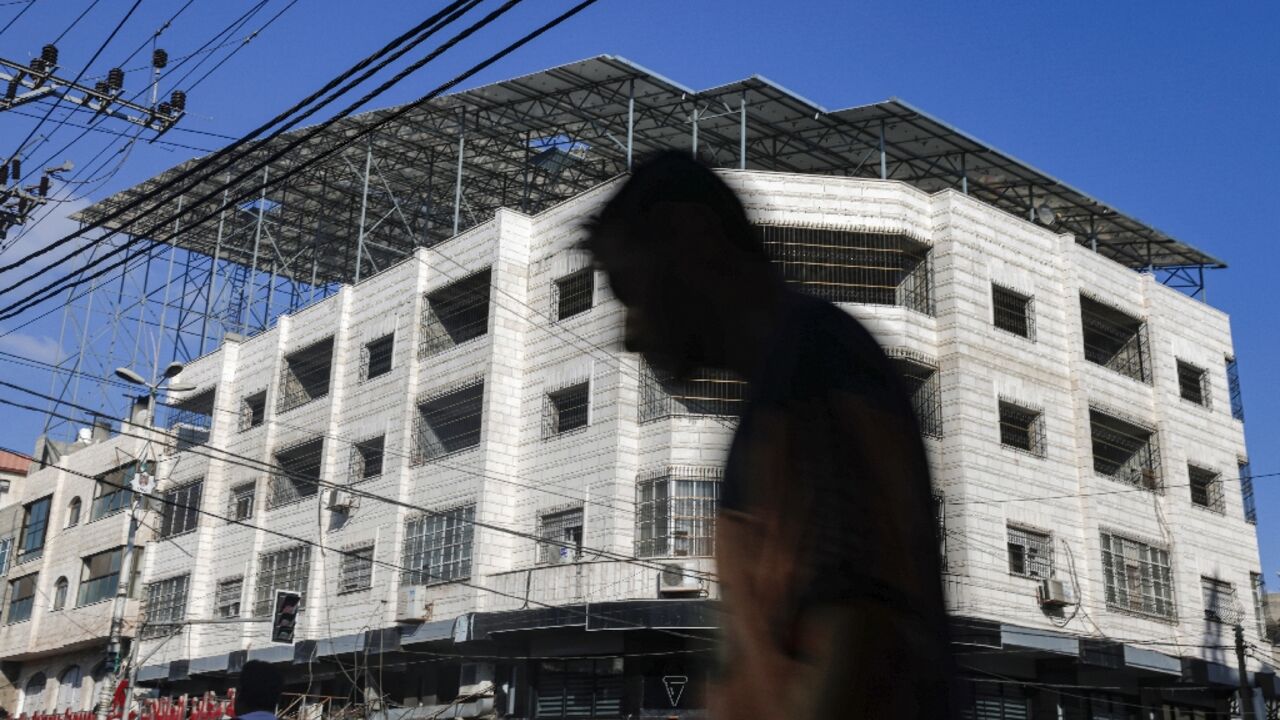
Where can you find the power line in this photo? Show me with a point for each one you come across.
(75, 22)
(30, 4)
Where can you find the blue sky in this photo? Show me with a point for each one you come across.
(1165, 110)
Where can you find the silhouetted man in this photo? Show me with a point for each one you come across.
(258, 692)
(826, 547)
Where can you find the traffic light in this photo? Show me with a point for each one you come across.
(285, 617)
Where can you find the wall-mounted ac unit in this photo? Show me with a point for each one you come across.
(340, 500)
(1055, 593)
(413, 606)
(679, 578)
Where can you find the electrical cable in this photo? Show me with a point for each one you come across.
(15, 18)
(75, 22)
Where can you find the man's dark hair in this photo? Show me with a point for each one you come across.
(259, 687)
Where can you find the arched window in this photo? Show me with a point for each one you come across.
(69, 689)
(98, 676)
(60, 594)
(73, 512)
(33, 696)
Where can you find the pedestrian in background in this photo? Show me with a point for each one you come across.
(258, 691)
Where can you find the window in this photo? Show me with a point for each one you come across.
(60, 594)
(573, 294)
(240, 506)
(73, 512)
(1258, 584)
(707, 391)
(438, 546)
(449, 422)
(1124, 451)
(1006, 701)
(1013, 312)
(375, 357)
(455, 313)
(561, 533)
(924, 388)
(22, 596)
(1219, 600)
(35, 524)
(180, 511)
(1115, 340)
(940, 520)
(298, 476)
(1246, 492)
(227, 597)
(286, 569)
(164, 608)
(1233, 389)
(101, 576)
(1206, 488)
(69, 689)
(366, 458)
(676, 512)
(112, 493)
(853, 266)
(356, 571)
(305, 376)
(1022, 428)
(191, 418)
(566, 409)
(1030, 553)
(579, 689)
(1193, 383)
(33, 698)
(6, 554)
(253, 410)
(1137, 577)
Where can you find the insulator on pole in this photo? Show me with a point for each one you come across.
(37, 66)
(12, 91)
(4, 174)
(164, 109)
(44, 186)
(159, 58)
(101, 88)
(178, 99)
(49, 53)
(115, 78)
(16, 166)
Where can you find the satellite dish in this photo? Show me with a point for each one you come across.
(1046, 215)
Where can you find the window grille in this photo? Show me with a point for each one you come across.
(707, 391)
(853, 266)
(1123, 451)
(356, 571)
(1013, 312)
(180, 512)
(6, 554)
(1193, 383)
(190, 419)
(287, 569)
(566, 409)
(240, 504)
(1233, 389)
(22, 597)
(227, 597)
(101, 576)
(1206, 488)
(998, 701)
(561, 533)
(1030, 553)
(573, 294)
(375, 357)
(455, 313)
(1258, 583)
(940, 521)
(1115, 340)
(165, 607)
(112, 493)
(253, 410)
(448, 423)
(1246, 492)
(366, 458)
(438, 546)
(925, 390)
(676, 512)
(35, 525)
(1219, 600)
(579, 689)
(305, 375)
(1137, 577)
(1022, 428)
(298, 476)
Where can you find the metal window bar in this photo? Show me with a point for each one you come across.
(181, 511)
(1193, 383)
(573, 294)
(579, 689)
(1206, 488)
(1219, 600)
(566, 409)
(298, 475)
(305, 375)
(190, 420)
(356, 570)
(287, 569)
(438, 546)
(367, 458)
(853, 266)
(924, 386)
(375, 357)
(1137, 576)
(448, 423)
(561, 533)
(1123, 451)
(1246, 492)
(164, 608)
(253, 410)
(707, 391)
(1258, 584)
(1115, 340)
(455, 313)
(240, 504)
(1022, 428)
(940, 520)
(1030, 553)
(1013, 312)
(228, 596)
(1233, 389)
(676, 512)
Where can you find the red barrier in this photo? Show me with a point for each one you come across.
(206, 707)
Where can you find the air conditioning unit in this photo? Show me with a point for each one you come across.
(679, 578)
(1055, 593)
(413, 606)
(340, 500)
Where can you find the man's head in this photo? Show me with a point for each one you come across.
(258, 689)
(682, 256)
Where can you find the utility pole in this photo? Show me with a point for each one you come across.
(1246, 694)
